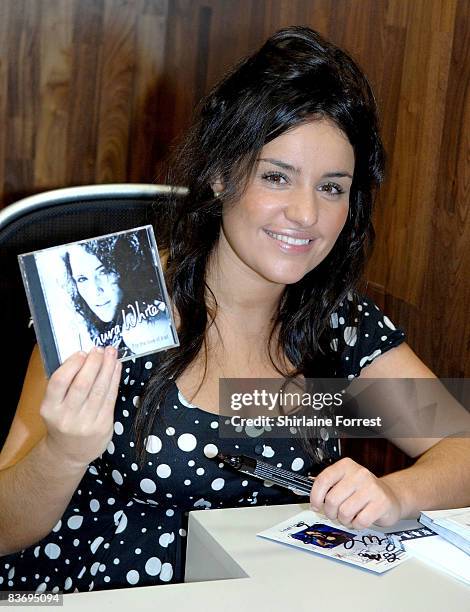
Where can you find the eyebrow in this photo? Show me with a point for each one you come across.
(290, 168)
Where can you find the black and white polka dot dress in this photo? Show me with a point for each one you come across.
(125, 526)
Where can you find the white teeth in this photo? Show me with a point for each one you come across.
(287, 239)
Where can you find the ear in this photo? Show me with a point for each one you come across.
(218, 187)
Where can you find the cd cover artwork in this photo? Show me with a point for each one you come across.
(108, 290)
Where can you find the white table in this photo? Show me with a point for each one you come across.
(229, 569)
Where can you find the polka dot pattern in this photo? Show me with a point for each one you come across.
(360, 332)
(153, 445)
(126, 524)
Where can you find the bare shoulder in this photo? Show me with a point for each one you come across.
(398, 362)
(28, 426)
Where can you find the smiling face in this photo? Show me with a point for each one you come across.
(97, 286)
(295, 205)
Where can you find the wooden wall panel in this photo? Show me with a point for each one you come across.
(149, 84)
(448, 272)
(4, 56)
(95, 91)
(55, 94)
(87, 45)
(117, 69)
(419, 122)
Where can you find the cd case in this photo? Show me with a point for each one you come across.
(107, 290)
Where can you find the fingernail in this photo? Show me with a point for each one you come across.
(98, 349)
(111, 350)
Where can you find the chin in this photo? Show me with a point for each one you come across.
(284, 277)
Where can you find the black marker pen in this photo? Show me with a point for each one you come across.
(300, 485)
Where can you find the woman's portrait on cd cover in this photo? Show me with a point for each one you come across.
(106, 291)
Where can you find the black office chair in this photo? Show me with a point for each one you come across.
(49, 219)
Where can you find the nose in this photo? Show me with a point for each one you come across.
(303, 208)
(98, 285)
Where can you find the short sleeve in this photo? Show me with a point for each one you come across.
(360, 333)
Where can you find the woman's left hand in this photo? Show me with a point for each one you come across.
(347, 492)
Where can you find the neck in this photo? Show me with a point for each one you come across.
(242, 294)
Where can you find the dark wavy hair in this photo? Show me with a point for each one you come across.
(295, 77)
(123, 255)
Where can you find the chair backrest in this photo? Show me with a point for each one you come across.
(49, 219)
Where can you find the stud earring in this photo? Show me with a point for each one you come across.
(217, 194)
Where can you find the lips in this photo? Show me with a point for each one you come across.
(101, 305)
(288, 239)
(292, 242)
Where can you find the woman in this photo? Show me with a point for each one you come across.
(264, 256)
(115, 291)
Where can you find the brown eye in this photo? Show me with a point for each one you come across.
(276, 178)
(332, 189)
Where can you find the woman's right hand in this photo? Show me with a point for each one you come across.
(78, 407)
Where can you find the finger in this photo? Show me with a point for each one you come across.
(62, 378)
(107, 409)
(100, 387)
(352, 506)
(325, 481)
(83, 381)
(114, 387)
(336, 496)
(367, 516)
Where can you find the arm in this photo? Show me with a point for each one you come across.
(440, 478)
(38, 486)
(52, 441)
